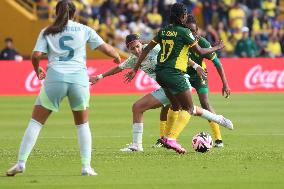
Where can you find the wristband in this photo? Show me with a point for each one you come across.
(195, 66)
(100, 76)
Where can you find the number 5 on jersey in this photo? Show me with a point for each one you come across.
(66, 48)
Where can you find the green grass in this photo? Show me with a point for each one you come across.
(253, 156)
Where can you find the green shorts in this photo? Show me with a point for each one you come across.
(51, 94)
(200, 85)
(172, 80)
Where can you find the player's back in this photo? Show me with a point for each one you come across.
(67, 50)
(175, 41)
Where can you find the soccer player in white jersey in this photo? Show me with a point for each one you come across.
(154, 99)
(64, 42)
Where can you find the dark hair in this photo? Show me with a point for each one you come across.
(176, 12)
(8, 39)
(64, 10)
(190, 19)
(130, 38)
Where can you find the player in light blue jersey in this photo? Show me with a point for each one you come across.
(64, 42)
(154, 99)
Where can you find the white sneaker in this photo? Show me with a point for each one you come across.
(132, 148)
(15, 169)
(88, 171)
(226, 123)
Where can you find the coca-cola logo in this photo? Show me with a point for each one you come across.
(257, 77)
(33, 84)
(145, 82)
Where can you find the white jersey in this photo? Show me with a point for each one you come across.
(67, 50)
(148, 65)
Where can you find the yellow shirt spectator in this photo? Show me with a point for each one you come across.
(236, 17)
(274, 48)
(269, 6)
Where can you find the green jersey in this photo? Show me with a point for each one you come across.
(175, 40)
(203, 43)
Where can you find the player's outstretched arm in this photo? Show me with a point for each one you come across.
(36, 56)
(226, 89)
(203, 51)
(110, 51)
(112, 71)
(131, 74)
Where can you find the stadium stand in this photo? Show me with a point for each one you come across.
(217, 19)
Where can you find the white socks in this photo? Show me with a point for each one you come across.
(137, 133)
(210, 116)
(29, 141)
(85, 143)
(31, 135)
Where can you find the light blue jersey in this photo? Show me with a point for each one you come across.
(67, 52)
(66, 70)
(148, 65)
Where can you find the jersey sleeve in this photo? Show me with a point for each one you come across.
(189, 38)
(203, 43)
(156, 49)
(94, 39)
(128, 63)
(41, 43)
(157, 38)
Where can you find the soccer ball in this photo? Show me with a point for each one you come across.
(202, 142)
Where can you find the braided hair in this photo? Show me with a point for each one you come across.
(176, 12)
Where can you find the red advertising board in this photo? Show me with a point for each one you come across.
(244, 75)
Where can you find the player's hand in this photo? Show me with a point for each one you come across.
(220, 45)
(226, 91)
(41, 73)
(94, 80)
(201, 72)
(129, 76)
(117, 60)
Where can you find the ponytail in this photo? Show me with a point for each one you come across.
(64, 11)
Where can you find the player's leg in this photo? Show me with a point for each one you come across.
(173, 82)
(204, 102)
(145, 103)
(48, 100)
(163, 120)
(201, 86)
(78, 97)
(163, 125)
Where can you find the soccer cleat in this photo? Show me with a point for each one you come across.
(172, 144)
(132, 148)
(88, 171)
(218, 144)
(158, 144)
(15, 169)
(226, 123)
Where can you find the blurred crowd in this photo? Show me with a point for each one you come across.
(249, 28)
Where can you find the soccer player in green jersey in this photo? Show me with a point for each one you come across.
(201, 84)
(156, 98)
(175, 41)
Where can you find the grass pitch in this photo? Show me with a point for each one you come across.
(253, 156)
